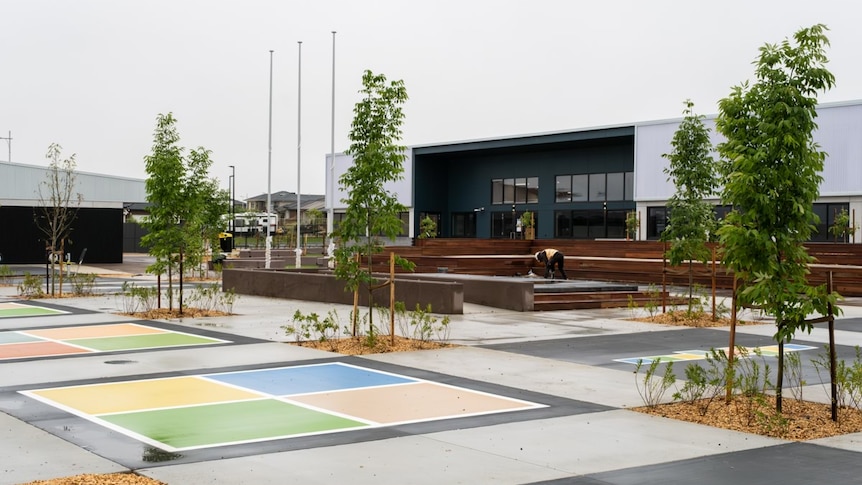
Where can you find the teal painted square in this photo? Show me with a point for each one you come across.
(106, 344)
(16, 337)
(216, 424)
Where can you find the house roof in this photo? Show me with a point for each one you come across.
(287, 200)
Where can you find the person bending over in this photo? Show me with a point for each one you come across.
(551, 258)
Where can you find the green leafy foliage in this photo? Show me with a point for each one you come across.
(82, 283)
(31, 286)
(848, 378)
(691, 221)
(841, 227)
(427, 228)
(378, 158)
(652, 386)
(185, 205)
(771, 167)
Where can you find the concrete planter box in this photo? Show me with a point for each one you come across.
(445, 297)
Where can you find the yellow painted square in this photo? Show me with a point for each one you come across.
(138, 395)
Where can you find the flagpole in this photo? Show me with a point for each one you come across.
(330, 220)
(298, 155)
(268, 257)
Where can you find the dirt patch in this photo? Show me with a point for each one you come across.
(107, 479)
(380, 345)
(798, 421)
(166, 314)
(685, 319)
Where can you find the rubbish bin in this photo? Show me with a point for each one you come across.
(224, 240)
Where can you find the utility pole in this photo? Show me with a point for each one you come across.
(9, 144)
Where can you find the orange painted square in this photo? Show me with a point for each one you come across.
(95, 331)
(411, 402)
(37, 349)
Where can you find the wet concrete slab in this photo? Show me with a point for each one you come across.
(236, 414)
(561, 360)
(788, 464)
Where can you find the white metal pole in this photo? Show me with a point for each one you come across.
(298, 155)
(330, 220)
(268, 256)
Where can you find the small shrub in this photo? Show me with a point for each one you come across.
(633, 306)
(793, 374)
(31, 286)
(6, 274)
(138, 298)
(312, 327)
(770, 420)
(652, 387)
(848, 378)
(82, 284)
(654, 298)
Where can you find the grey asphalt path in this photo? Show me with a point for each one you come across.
(587, 436)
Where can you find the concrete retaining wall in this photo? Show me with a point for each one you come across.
(499, 292)
(445, 297)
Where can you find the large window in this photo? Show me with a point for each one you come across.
(464, 224)
(598, 191)
(596, 187)
(590, 224)
(522, 190)
(656, 221)
(827, 214)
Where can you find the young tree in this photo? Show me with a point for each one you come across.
(691, 222)
(377, 159)
(164, 185)
(771, 167)
(58, 205)
(184, 202)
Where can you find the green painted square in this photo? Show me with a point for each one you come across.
(171, 339)
(16, 337)
(28, 311)
(216, 424)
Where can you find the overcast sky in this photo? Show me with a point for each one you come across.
(93, 75)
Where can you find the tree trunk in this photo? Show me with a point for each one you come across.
(779, 379)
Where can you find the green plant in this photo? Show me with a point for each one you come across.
(426, 326)
(632, 305)
(751, 382)
(652, 386)
(704, 384)
(82, 284)
(654, 296)
(138, 298)
(427, 228)
(770, 420)
(312, 327)
(842, 226)
(793, 374)
(6, 274)
(527, 219)
(848, 378)
(633, 223)
(211, 298)
(31, 286)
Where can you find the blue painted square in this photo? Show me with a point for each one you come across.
(15, 337)
(309, 378)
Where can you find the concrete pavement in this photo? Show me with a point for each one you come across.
(564, 360)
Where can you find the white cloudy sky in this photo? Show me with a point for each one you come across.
(92, 75)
